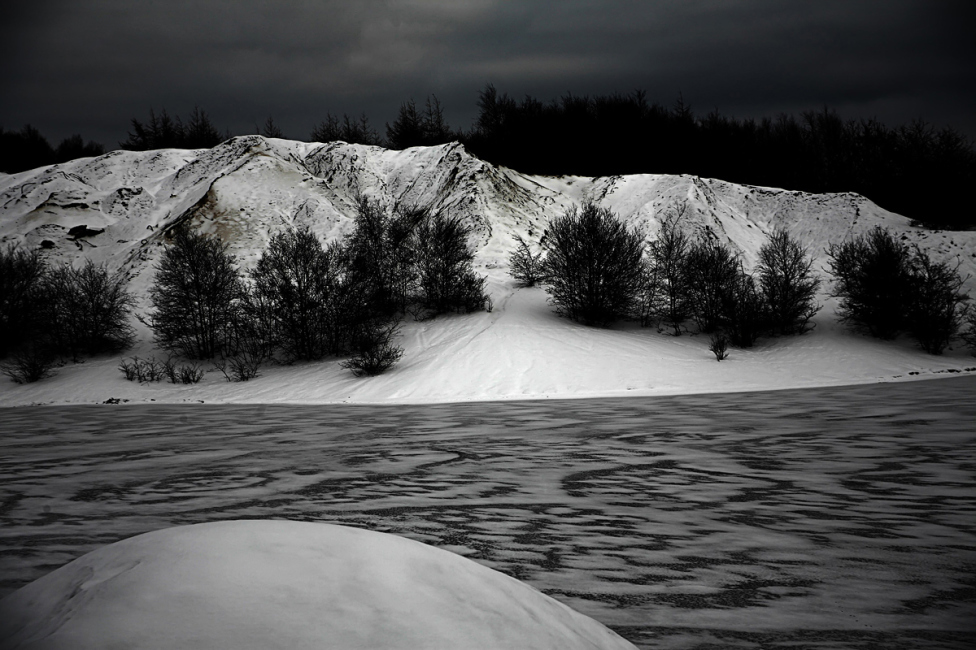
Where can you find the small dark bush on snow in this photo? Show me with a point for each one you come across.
(886, 287)
(935, 302)
(90, 310)
(594, 265)
(719, 345)
(969, 333)
(145, 370)
(744, 315)
(375, 352)
(667, 284)
(195, 296)
(525, 266)
(23, 299)
(788, 283)
(297, 282)
(871, 279)
(445, 275)
(30, 363)
(381, 256)
(711, 272)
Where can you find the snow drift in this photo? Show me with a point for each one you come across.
(249, 188)
(286, 584)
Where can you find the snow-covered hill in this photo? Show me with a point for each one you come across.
(251, 187)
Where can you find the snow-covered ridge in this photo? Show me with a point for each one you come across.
(251, 187)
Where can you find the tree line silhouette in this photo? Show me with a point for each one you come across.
(916, 169)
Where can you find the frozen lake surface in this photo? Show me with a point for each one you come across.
(834, 517)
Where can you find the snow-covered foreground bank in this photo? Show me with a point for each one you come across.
(823, 517)
(250, 188)
(276, 584)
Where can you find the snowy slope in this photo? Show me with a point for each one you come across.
(286, 584)
(251, 187)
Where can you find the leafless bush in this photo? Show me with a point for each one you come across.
(30, 363)
(375, 350)
(719, 345)
(788, 283)
(667, 299)
(969, 333)
(594, 265)
(524, 265)
(936, 304)
(195, 295)
(144, 370)
(184, 373)
(870, 278)
(240, 366)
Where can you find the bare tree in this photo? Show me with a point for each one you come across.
(788, 283)
(195, 296)
(594, 266)
(936, 304)
(667, 258)
(90, 309)
(298, 283)
(524, 265)
(871, 279)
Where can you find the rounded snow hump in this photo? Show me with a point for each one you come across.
(285, 584)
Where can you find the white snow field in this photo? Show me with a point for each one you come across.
(251, 187)
(283, 584)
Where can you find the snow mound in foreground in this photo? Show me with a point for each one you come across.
(286, 584)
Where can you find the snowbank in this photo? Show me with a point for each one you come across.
(286, 584)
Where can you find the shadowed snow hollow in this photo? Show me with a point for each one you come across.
(282, 584)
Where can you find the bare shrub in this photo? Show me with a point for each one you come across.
(240, 366)
(29, 364)
(718, 344)
(445, 275)
(744, 315)
(181, 374)
(871, 279)
(195, 296)
(297, 283)
(145, 370)
(969, 332)
(788, 283)
(669, 299)
(711, 272)
(375, 350)
(594, 265)
(936, 302)
(190, 373)
(90, 310)
(524, 265)
(23, 303)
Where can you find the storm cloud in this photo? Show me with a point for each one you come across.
(89, 67)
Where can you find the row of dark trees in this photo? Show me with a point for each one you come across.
(28, 148)
(886, 287)
(302, 301)
(623, 134)
(597, 270)
(50, 314)
(306, 301)
(815, 152)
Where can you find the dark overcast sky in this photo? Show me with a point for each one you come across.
(88, 67)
